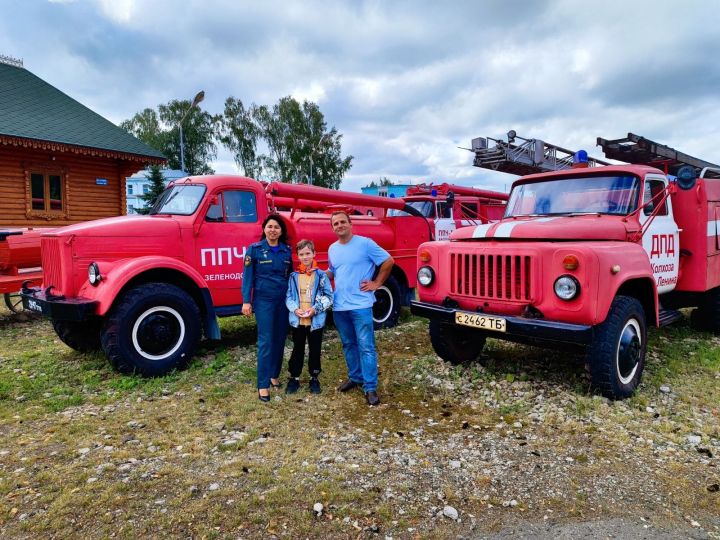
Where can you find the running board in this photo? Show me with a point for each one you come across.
(669, 316)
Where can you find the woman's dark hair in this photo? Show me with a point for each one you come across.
(276, 217)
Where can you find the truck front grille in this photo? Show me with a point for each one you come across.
(52, 275)
(500, 277)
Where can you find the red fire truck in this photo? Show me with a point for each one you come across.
(448, 207)
(145, 288)
(19, 263)
(585, 259)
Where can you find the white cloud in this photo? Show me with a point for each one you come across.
(120, 11)
(406, 83)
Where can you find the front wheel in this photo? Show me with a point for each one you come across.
(152, 330)
(83, 336)
(616, 356)
(455, 344)
(386, 309)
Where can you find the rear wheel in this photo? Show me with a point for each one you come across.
(83, 336)
(616, 357)
(454, 344)
(13, 301)
(386, 309)
(152, 330)
(707, 315)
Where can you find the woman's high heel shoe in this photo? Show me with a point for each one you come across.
(262, 398)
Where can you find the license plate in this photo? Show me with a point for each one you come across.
(32, 304)
(480, 320)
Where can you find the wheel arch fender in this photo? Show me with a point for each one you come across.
(625, 272)
(406, 292)
(644, 290)
(130, 273)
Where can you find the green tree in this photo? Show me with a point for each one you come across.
(160, 130)
(239, 133)
(146, 126)
(300, 147)
(199, 133)
(157, 186)
(384, 181)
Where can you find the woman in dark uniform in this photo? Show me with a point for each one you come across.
(268, 264)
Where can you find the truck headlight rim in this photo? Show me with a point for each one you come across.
(94, 276)
(425, 276)
(567, 287)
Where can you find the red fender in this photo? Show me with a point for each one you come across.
(117, 274)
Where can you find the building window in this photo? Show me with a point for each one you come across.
(130, 189)
(145, 189)
(46, 193)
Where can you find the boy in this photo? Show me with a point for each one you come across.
(309, 295)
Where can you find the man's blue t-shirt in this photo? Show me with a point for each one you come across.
(351, 264)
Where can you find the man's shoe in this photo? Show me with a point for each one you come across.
(292, 386)
(314, 385)
(347, 386)
(372, 398)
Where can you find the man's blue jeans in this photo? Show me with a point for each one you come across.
(358, 340)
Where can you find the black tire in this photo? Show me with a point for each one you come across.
(13, 301)
(616, 356)
(152, 330)
(388, 300)
(455, 344)
(83, 336)
(707, 316)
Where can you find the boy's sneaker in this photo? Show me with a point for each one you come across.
(292, 386)
(315, 385)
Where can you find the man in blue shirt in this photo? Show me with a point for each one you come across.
(353, 259)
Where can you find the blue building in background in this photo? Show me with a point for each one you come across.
(139, 184)
(396, 190)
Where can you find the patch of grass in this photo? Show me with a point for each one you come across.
(144, 453)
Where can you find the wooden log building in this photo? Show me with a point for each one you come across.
(60, 162)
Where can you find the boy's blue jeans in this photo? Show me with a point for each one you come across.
(358, 340)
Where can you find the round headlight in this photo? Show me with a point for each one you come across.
(425, 276)
(94, 276)
(567, 287)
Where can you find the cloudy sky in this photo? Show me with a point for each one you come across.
(406, 83)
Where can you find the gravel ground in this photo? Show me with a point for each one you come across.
(452, 453)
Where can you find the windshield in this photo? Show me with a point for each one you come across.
(426, 208)
(181, 199)
(616, 195)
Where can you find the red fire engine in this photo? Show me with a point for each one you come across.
(448, 207)
(585, 259)
(19, 263)
(125, 282)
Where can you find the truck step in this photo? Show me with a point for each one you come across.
(669, 316)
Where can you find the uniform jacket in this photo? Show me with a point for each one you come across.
(265, 273)
(321, 299)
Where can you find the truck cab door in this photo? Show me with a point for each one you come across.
(661, 241)
(230, 225)
(444, 222)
